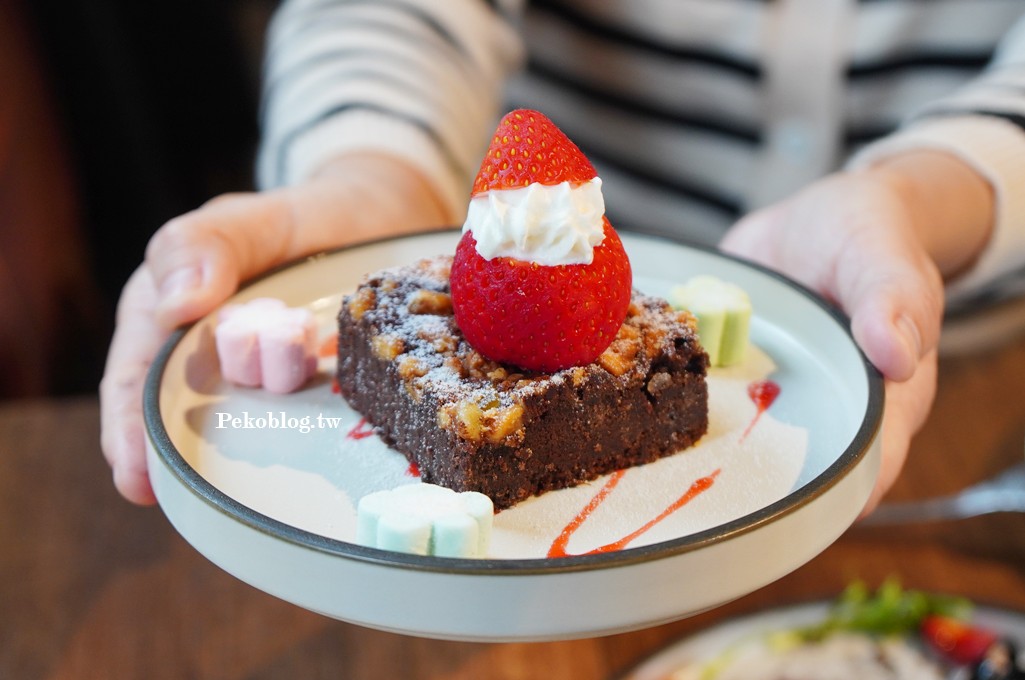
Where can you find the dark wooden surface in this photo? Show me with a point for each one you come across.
(92, 587)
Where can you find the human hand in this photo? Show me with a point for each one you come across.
(196, 261)
(878, 243)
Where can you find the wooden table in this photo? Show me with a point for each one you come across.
(92, 587)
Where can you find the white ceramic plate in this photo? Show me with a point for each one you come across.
(698, 649)
(272, 502)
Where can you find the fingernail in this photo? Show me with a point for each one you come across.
(912, 338)
(180, 282)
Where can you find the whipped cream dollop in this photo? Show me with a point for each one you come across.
(549, 225)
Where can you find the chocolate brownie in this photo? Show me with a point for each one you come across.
(471, 424)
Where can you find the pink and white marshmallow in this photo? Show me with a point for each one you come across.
(264, 342)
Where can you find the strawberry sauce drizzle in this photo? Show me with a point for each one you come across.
(360, 430)
(763, 393)
(558, 548)
(329, 347)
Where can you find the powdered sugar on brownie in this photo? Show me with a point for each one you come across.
(409, 306)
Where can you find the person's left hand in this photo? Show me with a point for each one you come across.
(854, 238)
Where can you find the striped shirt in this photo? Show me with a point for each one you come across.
(693, 111)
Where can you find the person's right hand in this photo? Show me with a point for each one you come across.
(196, 261)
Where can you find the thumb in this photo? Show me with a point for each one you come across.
(893, 294)
(855, 246)
(198, 259)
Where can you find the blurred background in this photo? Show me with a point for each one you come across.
(115, 116)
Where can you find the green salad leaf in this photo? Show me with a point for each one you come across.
(890, 610)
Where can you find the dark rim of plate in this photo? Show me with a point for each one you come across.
(200, 487)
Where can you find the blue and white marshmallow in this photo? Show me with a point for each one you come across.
(426, 519)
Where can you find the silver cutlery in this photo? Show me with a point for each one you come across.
(1003, 493)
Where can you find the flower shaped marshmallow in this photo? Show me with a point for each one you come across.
(266, 343)
(426, 519)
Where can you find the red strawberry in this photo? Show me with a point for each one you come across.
(958, 641)
(526, 148)
(538, 317)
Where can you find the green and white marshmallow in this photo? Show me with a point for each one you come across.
(723, 311)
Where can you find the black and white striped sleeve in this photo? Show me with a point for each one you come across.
(417, 79)
(983, 124)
